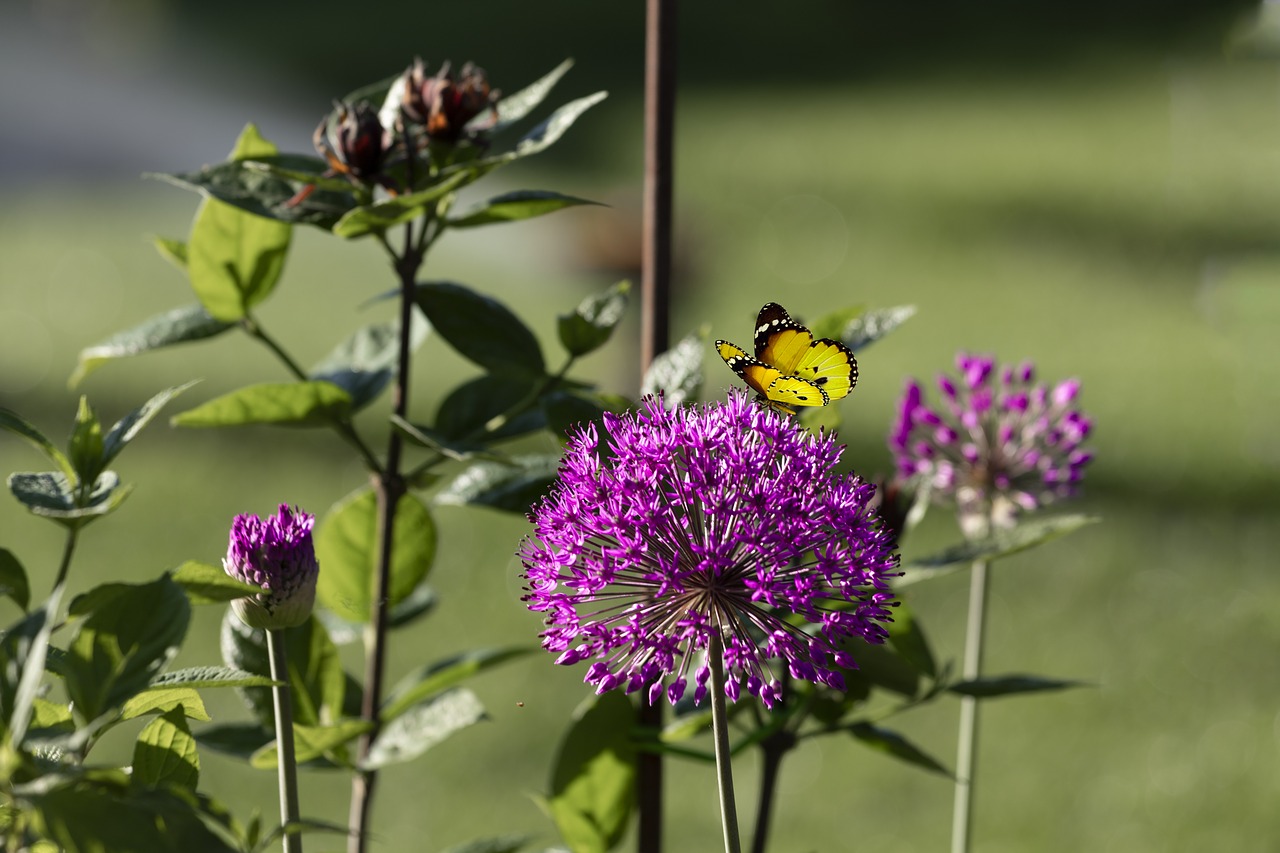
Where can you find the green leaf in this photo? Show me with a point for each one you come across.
(481, 329)
(677, 373)
(871, 326)
(516, 106)
(894, 744)
(880, 666)
(12, 422)
(346, 546)
(179, 326)
(127, 428)
(907, 636)
(458, 451)
(317, 683)
(437, 677)
(593, 321)
(24, 648)
(312, 742)
(1001, 543)
(96, 816)
(131, 632)
(990, 687)
(163, 700)
(49, 494)
(515, 206)
(421, 727)
(372, 218)
(593, 781)
(172, 250)
(466, 413)
(209, 676)
(512, 486)
(833, 323)
(13, 579)
(234, 258)
(85, 446)
(549, 132)
(417, 604)
(271, 187)
(240, 740)
(205, 584)
(363, 364)
(51, 717)
(166, 754)
(566, 410)
(282, 404)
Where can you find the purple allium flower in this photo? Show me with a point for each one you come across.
(276, 554)
(996, 445)
(723, 518)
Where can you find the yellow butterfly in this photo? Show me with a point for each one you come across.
(790, 367)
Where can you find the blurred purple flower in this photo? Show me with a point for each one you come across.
(276, 554)
(723, 518)
(997, 445)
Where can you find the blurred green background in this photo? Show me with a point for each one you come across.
(1090, 185)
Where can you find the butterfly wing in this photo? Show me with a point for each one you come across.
(779, 340)
(792, 391)
(830, 365)
(755, 373)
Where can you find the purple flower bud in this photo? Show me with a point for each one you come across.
(276, 554)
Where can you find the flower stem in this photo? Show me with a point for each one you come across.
(67, 550)
(286, 765)
(967, 749)
(720, 731)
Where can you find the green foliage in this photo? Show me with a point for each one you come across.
(13, 579)
(894, 744)
(366, 362)
(1001, 543)
(415, 730)
(515, 206)
(512, 485)
(179, 326)
(481, 329)
(166, 754)
(316, 680)
(434, 678)
(234, 258)
(677, 373)
(592, 323)
(305, 404)
(593, 781)
(205, 584)
(346, 545)
(127, 634)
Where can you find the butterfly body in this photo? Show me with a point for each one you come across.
(790, 367)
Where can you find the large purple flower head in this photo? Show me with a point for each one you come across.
(276, 554)
(997, 444)
(716, 519)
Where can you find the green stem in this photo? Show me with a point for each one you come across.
(720, 731)
(68, 549)
(344, 427)
(285, 762)
(967, 748)
(773, 748)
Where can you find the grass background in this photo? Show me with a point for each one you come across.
(1109, 211)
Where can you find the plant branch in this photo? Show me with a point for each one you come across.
(390, 486)
(773, 748)
(343, 426)
(68, 548)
